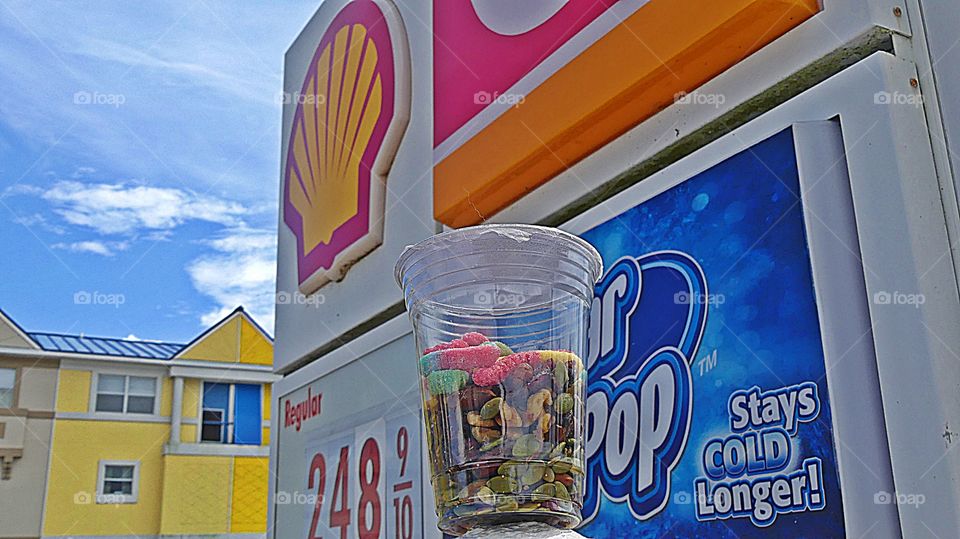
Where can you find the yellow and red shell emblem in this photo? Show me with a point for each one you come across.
(341, 143)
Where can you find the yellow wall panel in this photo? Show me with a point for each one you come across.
(78, 447)
(73, 391)
(254, 347)
(196, 495)
(221, 344)
(267, 401)
(166, 396)
(249, 508)
(191, 397)
(188, 434)
(267, 407)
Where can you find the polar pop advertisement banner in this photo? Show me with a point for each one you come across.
(708, 409)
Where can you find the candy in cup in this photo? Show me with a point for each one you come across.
(500, 317)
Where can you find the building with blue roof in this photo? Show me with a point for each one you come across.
(113, 437)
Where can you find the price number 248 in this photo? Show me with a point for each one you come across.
(369, 508)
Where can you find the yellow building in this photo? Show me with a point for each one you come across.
(157, 439)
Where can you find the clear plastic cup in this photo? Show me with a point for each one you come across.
(500, 315)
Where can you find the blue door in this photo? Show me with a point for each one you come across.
(247, 417)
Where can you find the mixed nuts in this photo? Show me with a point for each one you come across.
(502, 430)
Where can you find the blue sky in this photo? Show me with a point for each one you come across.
(139, 150)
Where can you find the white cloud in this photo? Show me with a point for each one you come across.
(94, 247)
(242, 241)
(158, 235)
(39, 221)
(237, 269)
(199, 80)
(240, 271)
(220, 72)
(125, 208)
(21, 189)
(80, 172)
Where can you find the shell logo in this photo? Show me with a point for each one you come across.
(350, 115)
(512, 18)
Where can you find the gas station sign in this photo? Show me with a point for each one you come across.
(523, 92)
(754, 370)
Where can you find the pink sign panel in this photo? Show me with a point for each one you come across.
(483, 47)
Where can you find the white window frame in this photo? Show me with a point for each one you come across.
(103, 498)
(95, 384)
(225, 426)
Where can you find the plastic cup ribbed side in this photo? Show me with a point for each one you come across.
(500, 316)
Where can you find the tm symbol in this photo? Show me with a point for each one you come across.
(708, 363)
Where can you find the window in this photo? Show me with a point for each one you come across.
(118, 481)
(126, 394)
(231, 413)
(215, 429)
(216, 407)
(8, 378)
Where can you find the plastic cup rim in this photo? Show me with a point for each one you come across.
(461, 234)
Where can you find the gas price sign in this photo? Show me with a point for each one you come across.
(708, 413)
(361, 482)
(349, 452)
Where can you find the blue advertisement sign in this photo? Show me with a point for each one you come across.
(708, 410)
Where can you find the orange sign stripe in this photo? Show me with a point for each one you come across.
(636, 70)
